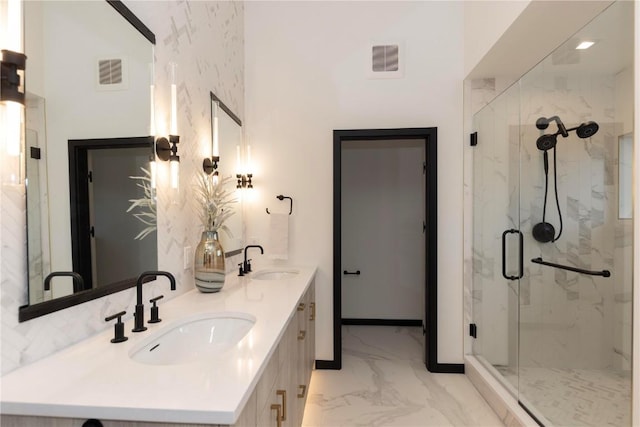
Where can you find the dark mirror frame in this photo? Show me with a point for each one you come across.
(28, 312)
(236, 119)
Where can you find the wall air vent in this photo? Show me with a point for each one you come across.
(385, 60)
(111, 74)
(110, 71)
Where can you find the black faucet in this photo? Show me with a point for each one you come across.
(139, 313)
(78, 283)
(247, 264)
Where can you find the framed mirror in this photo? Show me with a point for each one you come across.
(89, 71)
(230, 138)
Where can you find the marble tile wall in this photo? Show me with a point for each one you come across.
(205, 39)
(567, 319)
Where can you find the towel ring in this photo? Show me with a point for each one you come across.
(281, 197)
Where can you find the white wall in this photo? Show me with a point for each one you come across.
(306, 75)
(484, 24)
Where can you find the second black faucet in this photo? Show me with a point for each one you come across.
(246, 265)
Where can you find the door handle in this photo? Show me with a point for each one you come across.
(357, 273)
(520, 255)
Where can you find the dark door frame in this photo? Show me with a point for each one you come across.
(430, 330)
(79, 199)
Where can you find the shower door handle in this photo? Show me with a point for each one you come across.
(520, 254)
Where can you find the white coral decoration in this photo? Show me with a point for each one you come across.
(146, 205)
(215, 202)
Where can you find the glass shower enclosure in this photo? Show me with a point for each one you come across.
(552, 230)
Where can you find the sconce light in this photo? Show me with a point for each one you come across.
(167, 149)
(244, 179)
(210, 165)
(12, 65)
(12, 90)
(12, 97)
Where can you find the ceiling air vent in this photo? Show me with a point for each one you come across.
(111, 74)
(386, 61)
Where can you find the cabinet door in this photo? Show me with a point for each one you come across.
(304, 352)
(310, 343)
(279, 399)
(248, 415)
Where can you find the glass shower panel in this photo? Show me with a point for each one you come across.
(495, 210)
(575, 333)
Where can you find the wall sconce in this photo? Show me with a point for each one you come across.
(12, 91)
(12, 65)
(210, 165)
(167, 149)
(12, 97)
(244, 179)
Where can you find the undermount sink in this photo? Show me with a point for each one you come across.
(273, 274)
(199, 337)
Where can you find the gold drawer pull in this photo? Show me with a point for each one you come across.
(303, 391)
(283, 393)
(313, 311)
(301, 335)
(277, 408)
(301, 306)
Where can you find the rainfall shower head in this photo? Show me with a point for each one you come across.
(587, 130)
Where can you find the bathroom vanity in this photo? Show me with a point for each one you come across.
(262, 379)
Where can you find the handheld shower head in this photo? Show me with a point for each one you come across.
(546, 142)
(587, 130)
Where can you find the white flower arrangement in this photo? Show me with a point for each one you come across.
(214, 202)
(146, 205)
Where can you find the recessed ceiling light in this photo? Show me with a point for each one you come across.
(585, 45)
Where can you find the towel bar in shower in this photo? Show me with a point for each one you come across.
(603, 273)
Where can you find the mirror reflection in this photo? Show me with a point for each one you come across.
(230, 138)
(87, 108)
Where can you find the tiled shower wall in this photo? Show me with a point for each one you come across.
(567, 319)
(205, 39)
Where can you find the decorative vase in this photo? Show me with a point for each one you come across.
(208, 268)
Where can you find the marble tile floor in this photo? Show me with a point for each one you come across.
(576, 397)
(383, 382)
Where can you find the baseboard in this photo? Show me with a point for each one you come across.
(382, 322)
(328, 364)
(447, 368)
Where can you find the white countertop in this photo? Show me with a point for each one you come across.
(97, 379)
